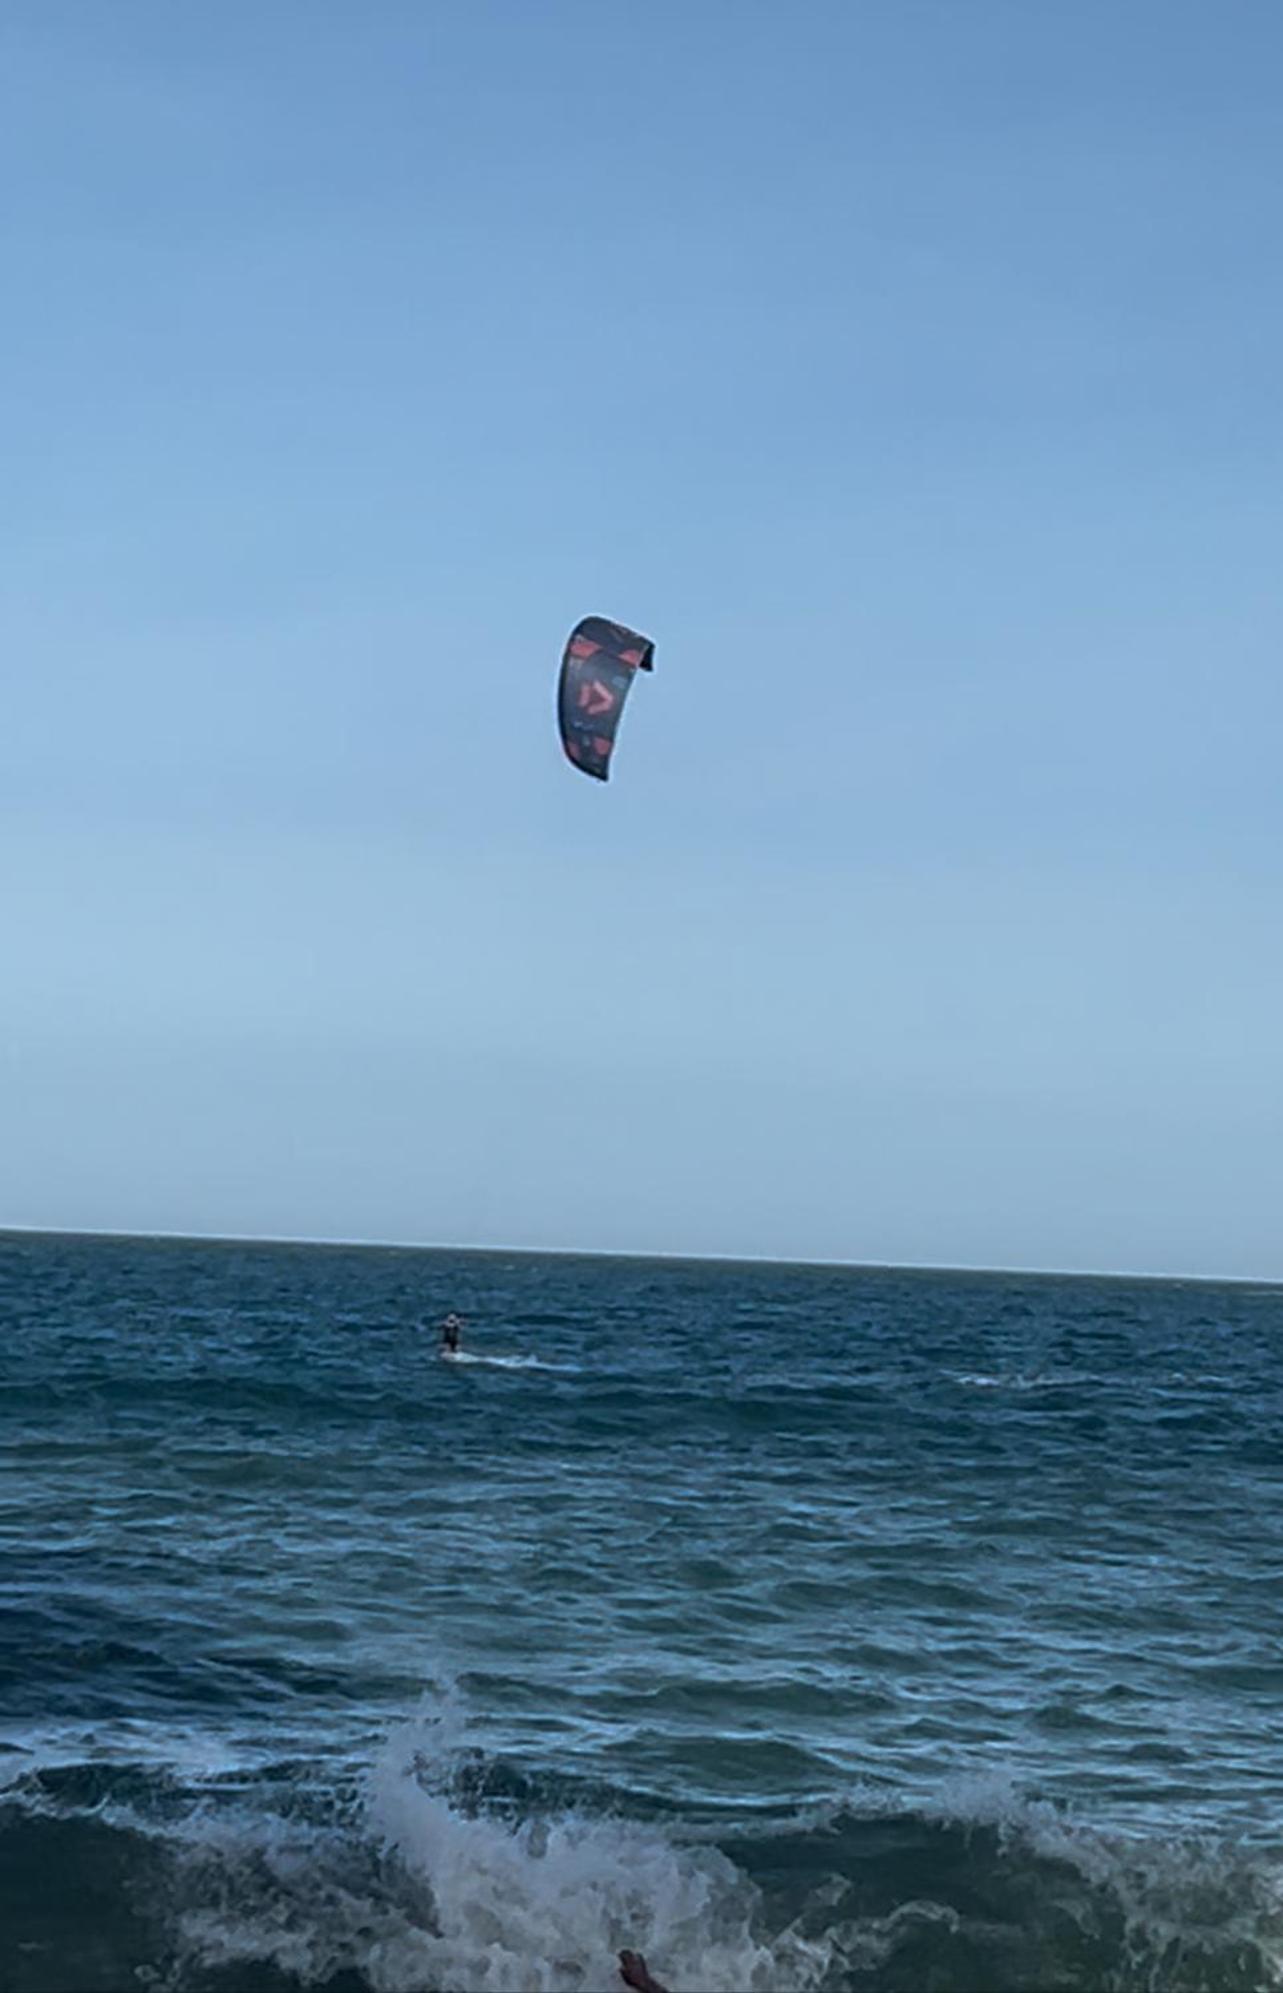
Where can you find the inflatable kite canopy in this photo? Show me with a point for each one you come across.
(597, 668)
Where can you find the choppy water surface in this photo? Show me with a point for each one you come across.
(806, 1628)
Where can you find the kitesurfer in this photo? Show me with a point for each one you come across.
(451, 1329)
(633, 1972)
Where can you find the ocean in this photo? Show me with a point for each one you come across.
(801, 1627)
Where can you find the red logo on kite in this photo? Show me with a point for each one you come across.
(595, 698)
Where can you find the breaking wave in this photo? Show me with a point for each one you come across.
(439, 1868)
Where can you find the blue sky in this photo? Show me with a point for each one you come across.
(908, 371)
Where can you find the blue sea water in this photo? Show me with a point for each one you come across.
(802, 1627)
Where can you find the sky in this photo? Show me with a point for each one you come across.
(907, 371)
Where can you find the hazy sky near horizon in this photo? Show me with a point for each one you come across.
(908, 371)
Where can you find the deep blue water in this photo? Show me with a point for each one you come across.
(807, 1628)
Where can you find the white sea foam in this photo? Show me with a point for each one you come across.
(547, 1903)
(478, 1358)
(432, 1894)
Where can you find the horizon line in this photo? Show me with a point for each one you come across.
(624, 1253)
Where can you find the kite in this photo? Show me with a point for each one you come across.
(597, 670)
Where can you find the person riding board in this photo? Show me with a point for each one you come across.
(451, 1328)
